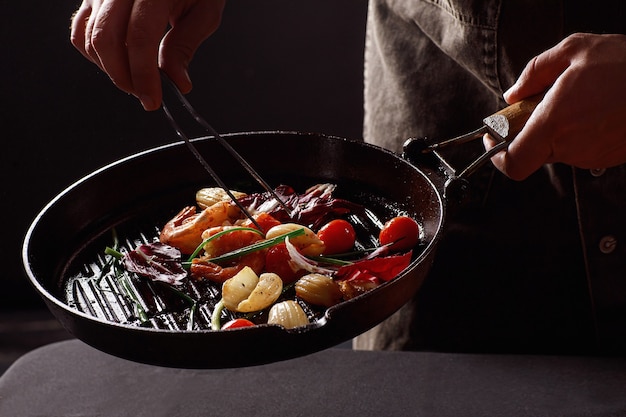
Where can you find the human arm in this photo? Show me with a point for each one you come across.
(131, 40)
(581, 120)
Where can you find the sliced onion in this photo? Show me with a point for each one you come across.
(302, 262)
(380, 251)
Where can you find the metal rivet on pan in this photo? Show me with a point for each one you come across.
(608, 244)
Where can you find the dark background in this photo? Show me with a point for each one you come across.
(272, 65)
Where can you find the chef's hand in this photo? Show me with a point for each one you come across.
(581, 120)
(130, 40)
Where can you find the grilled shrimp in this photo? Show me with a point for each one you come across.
(236, 239)
(203, 268)
(228, 242)
(184, 231)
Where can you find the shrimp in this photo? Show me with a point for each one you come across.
(184, 231)
(203, 268)
(228, 242)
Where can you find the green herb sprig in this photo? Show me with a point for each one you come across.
(262, 244)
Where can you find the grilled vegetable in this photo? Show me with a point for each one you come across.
(319, 290)
(288, 314)
(401, 233)
(308, 244)
(206, 197)
(338, 236)
(237, 323)
(247, 292)
(156, 261)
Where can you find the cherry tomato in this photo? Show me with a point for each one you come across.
(338, 236)
(402, 232)
(237, 323)
(277, 261)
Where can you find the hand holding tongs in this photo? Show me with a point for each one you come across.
(205, 125)
(503, 126)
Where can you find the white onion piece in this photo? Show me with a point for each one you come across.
(302, 262)
(309, 243)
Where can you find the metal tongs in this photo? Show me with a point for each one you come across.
(502, 126)
(207, 127)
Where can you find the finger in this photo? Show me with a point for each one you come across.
(182, 41)
(108, 38)
(539, 74)
(528, 151)
(89, 50)
(79, 27)
(146, 27)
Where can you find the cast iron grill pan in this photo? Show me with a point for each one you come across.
(96, 288)
(137, 195)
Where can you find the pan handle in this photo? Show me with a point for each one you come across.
(503, 126)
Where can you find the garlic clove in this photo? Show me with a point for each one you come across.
(288, 314)
(239, 288)
(265, 293)
(319, 290)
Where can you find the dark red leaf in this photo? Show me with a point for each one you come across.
(313, 208)
(156, 261)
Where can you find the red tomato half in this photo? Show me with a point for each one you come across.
(237, 323)
(277, 261)
(402, 232)
(338, 236)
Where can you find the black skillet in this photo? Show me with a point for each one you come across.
(141, 192)
(138, 194)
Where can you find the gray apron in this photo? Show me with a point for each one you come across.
(537, 266)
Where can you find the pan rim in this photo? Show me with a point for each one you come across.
(319, 323)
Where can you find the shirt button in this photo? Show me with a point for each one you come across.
(608, 244)
(597, 172)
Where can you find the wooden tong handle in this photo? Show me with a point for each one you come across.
(508, 122)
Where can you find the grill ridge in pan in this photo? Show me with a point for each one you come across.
(138, 194)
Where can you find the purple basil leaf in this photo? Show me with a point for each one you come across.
(156, 261)
(313, 208)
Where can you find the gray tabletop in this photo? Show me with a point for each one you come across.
(72, 379)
